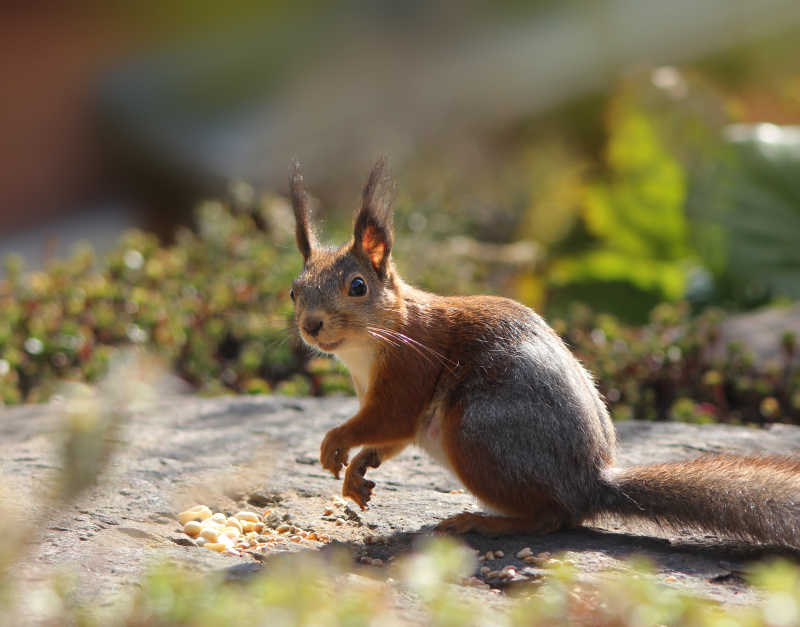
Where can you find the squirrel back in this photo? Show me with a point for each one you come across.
(486, 387)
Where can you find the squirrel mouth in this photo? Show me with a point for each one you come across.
(329, 347)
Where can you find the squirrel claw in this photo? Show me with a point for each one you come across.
(333, 455)
(357, 488)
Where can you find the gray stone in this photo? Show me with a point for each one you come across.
(250, 446)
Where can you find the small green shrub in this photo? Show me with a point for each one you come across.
(671, 368)
(214, 307)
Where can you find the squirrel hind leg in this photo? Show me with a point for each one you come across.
(491, 524)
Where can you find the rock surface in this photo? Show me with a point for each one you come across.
(257, 452)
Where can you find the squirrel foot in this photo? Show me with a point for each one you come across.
(357, 488)
(467, 522)
(334, 451)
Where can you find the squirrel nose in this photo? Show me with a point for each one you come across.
(312, 326)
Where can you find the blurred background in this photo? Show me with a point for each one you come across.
(611, 154)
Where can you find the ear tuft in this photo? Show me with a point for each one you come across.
(373, 230)
(304, 234)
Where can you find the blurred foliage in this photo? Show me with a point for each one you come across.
(753, 218)
(307, 590)
(621, 201)
(640, 194)
(214, 307)
(637, 215)
(675, 368)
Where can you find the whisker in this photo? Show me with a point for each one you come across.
(399, 342)
(390, 342)
(428, 348)
(411, 340)
(417, 346)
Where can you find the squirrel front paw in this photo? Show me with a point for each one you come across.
(333, 452)
(357, 487)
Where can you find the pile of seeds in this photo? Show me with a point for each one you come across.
(244, 532)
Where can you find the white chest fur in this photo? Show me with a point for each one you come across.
(359, 362)
(429, 437)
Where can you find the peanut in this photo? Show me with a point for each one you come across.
(231, 532)
(198, 513)
(249, 516)
(210, 534)
(234, 522)
(192, 528)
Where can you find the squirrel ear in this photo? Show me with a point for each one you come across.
(373, 230)
(306, 240)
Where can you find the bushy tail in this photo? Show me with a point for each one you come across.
(750, 498)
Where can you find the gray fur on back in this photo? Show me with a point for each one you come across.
(536, 412)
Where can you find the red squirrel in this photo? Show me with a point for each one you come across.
(491, 392)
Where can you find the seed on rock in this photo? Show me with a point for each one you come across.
(219, 547)
(234, 522)
(249, 516)
(283, 528)
(192, 528)
(526, 552)
(232, 532)
(219, 517)
(194, 514)
(212, 535)
(531, 559)
(498, 554)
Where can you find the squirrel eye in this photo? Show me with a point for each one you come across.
(291, 294)
(358, 287)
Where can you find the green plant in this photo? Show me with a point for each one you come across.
(674, 368)
(214, 305)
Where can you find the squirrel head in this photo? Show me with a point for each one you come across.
(344, 291)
